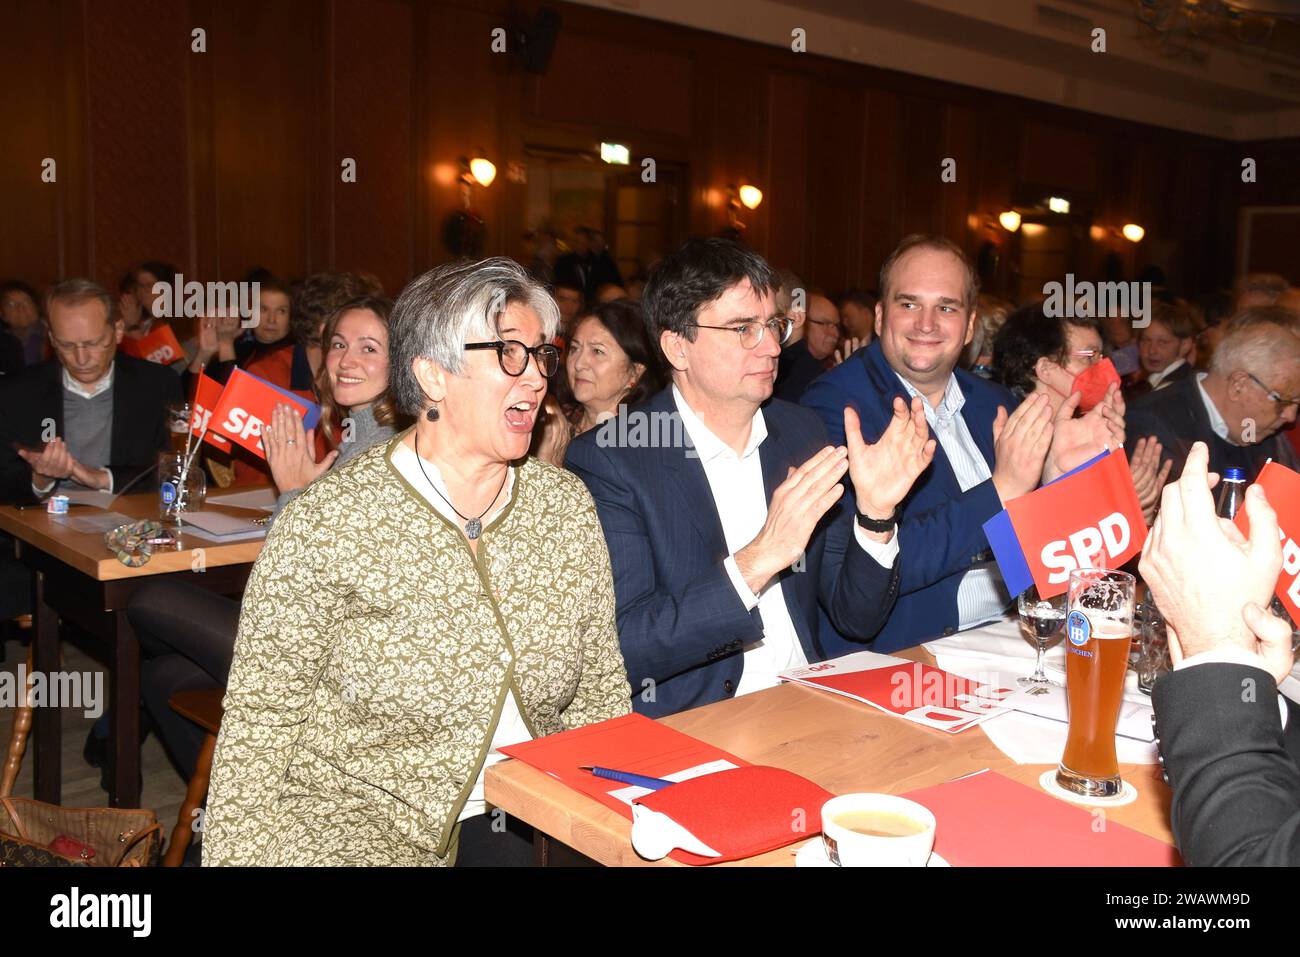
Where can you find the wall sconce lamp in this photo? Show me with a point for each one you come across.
(1010, 220)
(1130, 231)
(744, 196)
(479, 170)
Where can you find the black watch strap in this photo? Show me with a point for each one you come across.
(878, 525)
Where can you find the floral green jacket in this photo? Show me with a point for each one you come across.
(375, 652)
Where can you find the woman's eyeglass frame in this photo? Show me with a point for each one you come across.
(546, 350)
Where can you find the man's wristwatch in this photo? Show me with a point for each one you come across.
(878, 525)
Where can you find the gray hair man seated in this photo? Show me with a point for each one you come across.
(1237, 408)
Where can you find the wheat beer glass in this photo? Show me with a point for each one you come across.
(1098, 632)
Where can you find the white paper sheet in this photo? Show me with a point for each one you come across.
(1025, 738)
(262, 499)
(87, 496)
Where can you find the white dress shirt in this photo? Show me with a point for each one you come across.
(740, 498)
(86, 392)
(1217, 422)
(982, 594)
(510, 727)
(1157, 379)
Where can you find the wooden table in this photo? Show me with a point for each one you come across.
(76, 577)
(842, 745)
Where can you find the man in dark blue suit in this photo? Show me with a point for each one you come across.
(924, 320)
(733, 556)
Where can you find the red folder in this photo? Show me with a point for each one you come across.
(632, 743)
(988, 820)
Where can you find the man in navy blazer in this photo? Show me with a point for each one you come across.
(734, 557)
(924, 320)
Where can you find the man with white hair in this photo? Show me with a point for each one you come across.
(1238, 408)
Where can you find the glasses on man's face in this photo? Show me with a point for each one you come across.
(102, 344)
(1281, 401)
(837, 326)
(1089, 356)
(513, 356)
(751, 332)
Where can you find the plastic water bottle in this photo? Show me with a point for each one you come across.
(1232, 493)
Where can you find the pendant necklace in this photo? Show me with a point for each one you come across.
(473, 526)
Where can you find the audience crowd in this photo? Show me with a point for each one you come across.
(814, 474)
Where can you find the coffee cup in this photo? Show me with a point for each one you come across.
(877, 830)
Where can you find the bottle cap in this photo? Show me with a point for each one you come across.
(1234, 475)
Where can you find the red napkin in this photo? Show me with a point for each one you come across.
(743, 811)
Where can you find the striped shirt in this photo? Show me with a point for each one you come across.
(982, 595)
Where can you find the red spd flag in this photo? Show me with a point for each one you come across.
(246, 405)
(207, 392)
(1282, 486)
(159, 345)
(1090, 519)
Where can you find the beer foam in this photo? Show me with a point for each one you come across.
(1103, 628)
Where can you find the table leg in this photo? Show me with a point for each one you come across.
(48, 771)
(124, 705)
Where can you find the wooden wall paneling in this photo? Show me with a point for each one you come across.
(883, 208)
(836, 190)
(41, 97)
(135, 53)
(923, 146)
(372, 111)
(467, 87)
(204, 247)
(958, 200)
(265, 60)
(733, 122)
(789, 165)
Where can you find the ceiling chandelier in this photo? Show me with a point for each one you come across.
(1189, 28)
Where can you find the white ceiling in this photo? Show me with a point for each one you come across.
(1040, 49)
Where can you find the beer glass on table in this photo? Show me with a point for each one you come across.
(1043, 618)
(1098, 629)
(178, 424)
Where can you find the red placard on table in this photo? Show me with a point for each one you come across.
(1282, 486)
(158, 345)
(245, 406)
(207, 393)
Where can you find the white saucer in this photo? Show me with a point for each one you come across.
(813, 854)
(1047, 781)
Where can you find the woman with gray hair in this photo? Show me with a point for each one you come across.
(441, 597)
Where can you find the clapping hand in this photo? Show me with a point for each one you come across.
(847, 348)
(797, 505)
(289, 450)
(1076, 440)
(130, 310)
(1212, 584)
(1149, 476)
(1020, 444)
(883, 472)
(552, 434)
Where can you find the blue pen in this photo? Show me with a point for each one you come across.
(627, 777)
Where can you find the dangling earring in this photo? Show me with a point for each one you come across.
(433, 413)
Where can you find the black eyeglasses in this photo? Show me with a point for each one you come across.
(751, 333)
(513, 356)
